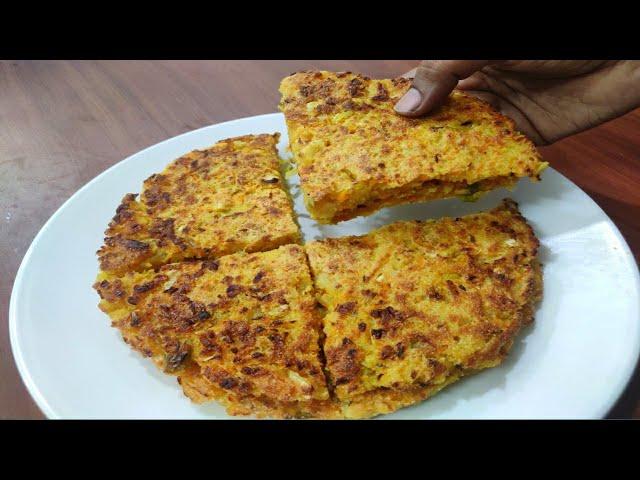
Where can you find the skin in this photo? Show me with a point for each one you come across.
(548, 99)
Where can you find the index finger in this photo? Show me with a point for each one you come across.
(433, 82)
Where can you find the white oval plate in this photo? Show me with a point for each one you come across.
(573, 362)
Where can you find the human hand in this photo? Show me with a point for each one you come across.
(548, 99)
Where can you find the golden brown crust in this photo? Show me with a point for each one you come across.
(205, 204)
(383, 400)
(199, 390)
(355, 154)
(244, 328)
(414, 305)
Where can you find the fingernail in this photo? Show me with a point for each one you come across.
(409, 102)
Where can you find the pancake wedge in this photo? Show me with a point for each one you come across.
(414, 306)
(205, 204)
(242, 330)
(354, 154)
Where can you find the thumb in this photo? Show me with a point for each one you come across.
(433, 82)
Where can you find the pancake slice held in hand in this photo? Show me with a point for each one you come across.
(414, 306)
(354, 154)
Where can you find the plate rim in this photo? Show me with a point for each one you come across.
(49, 412)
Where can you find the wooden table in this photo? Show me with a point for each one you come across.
(63, 122)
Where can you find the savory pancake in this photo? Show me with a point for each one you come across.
(354, 154)
(413, 306)
(205, 204)
(242, 329)
(203, 275)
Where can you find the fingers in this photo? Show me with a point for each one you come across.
(554, 68)
(474, 82)
(507, 108)
(433, 82)
(410, 74)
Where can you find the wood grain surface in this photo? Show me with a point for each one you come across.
(63, 122)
